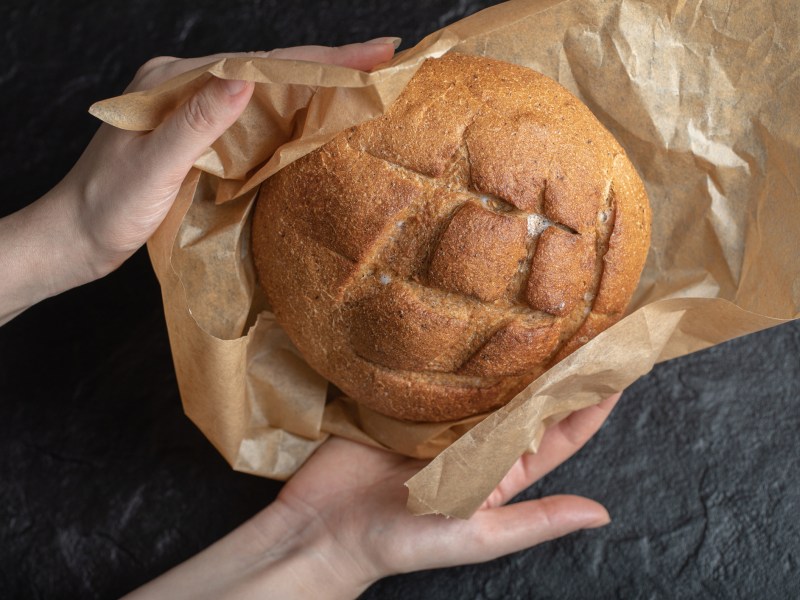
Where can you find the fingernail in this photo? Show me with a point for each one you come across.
(233, 86)
(601, 522)
(394, 41)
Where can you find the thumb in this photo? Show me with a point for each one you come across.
(180, 140)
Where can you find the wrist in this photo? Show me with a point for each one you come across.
(274, 555)
(84, 216)
(304, 558)
(43, 252)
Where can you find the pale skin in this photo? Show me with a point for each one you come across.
(340, 523)
(122, 186)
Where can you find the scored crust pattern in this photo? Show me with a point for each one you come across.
(434, 261)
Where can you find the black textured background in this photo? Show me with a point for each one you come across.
(105, 484)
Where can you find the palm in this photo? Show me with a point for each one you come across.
(357, 492)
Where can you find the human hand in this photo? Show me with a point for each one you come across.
(125, 182)
(341, 524)
(351, 497)
(129, 180)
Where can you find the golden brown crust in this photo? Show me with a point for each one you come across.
(513, 349)
(629, 242)
(561, 271)
(594, 324)
(398, 329)
(427, 127)
(434, 261)
(478, 253)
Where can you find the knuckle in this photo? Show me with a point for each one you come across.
(150, 65)
(155, 62)
(145, 72)
(483, 540)
(549, 514)
(197, 114)
(330, 54)
(576, 433)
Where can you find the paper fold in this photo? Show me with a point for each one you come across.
(700, 94)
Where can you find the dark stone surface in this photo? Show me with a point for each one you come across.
(105, 483)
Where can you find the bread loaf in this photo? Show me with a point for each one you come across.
(433, 262)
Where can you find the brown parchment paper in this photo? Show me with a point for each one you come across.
(703, 96)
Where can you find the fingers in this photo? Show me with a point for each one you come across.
(581, 425)
(178, 142)
(514, 527)
(560, 441)
(500, 531)
(518, 526)
(362, 56)
(566, 437)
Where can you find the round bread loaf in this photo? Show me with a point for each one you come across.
(434, 261)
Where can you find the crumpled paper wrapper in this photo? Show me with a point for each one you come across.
(703, 97)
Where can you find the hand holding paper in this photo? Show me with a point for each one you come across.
(341, 524)
(716, 153)
(124, 184)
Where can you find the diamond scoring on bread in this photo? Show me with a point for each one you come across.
(434, 261)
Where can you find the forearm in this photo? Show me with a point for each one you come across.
(268, 557)
(43, 252)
